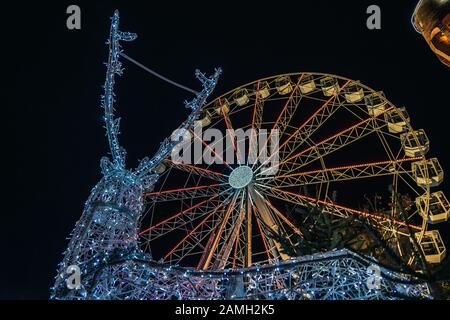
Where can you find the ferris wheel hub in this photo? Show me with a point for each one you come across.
(240, 177)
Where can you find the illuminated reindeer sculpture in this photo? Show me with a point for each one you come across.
(107, 233)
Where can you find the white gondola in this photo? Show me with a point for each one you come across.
(438, 207)
(376, 103)
(241, 97)
(205, 120)
(307, 84)
(353, 92)
(397, 120)
(428, 173)
(160, 168)
(432, 246)
(262, 90)
(283, 85)
(222, 106)
(415, 143)
(329, 86)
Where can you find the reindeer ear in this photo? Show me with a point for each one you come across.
(123, 154)
(106, 166)
(148, 182)
(142, 164)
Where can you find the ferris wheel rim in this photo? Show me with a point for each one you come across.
(322, 74)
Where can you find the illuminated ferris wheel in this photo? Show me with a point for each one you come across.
(350, 171)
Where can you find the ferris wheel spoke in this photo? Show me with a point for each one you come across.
(249, 233)
(231, 239)
(267, 248)
(257, 115)
(332, 208)
(242, 255)
(283, 217)
(257, 110)
(285, 116)
(289, 108)
(179, 219)
(331, 144)
(218, 236)
(243, 244)
(207, 146)
(359, 171)
(305, 130)
(187, 247)
(195, 236)
(184, 193)
(231, 132)
(411, 187)
(197, 171)
(236, 248)
(183, 222)
(314, 122)
(270, 222)
(385, 144)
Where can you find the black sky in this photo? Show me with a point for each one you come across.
(53, 76)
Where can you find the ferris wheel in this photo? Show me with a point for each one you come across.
(350, 171)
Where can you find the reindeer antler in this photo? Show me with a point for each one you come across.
(196, 104)
(114, 66)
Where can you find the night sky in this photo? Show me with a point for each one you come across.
(53, 84)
